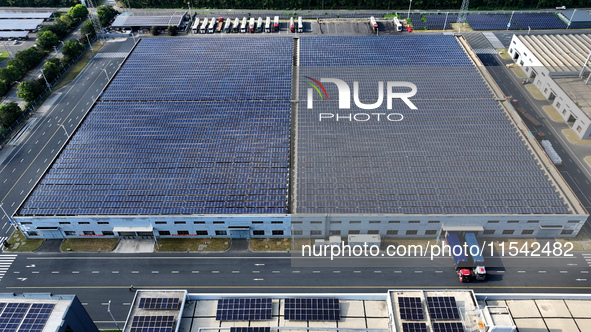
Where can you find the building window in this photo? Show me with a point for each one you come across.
(313, 233)
(335, 221)
(493, 221)
(527, 232)
(545, 90)
(298, 232)
(563, 112)
(26, 223)
(543, 74)
(257, 222)
(414, 221)
(521, 63)
(315, 222)
(335, 232)
(394, 222)
(183, 232)
(68, 233)
(573, 221)
(64, 222)
(202, 233)
(431, 232)
(524, 54)
(108, 233)
(277, 222)
(221, 233)
(392, 232)
(412, 232)
(533, 221)
(579, 129)
(296, 222)
(199, 222)
(88, 232)
(354, 232)
(103, 222)
(566, 231)
(219, 222)
(488, 232)
(514, 42)
(374, 221)
(278, 232)
(527, 68)
(164, 232)
(373, 231)
(557, 105)
(508, 232)
(160, 223)
(433, 221)
(179, 222)
(83, 223)
(33, 233)
(354, 222)
(258, 233)
(513, 222)
(511, 50)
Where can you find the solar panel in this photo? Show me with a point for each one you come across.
(443, 308)
(244, 309)
(152, 324)
(448, 327)
(414, 327)
(250, 329)
(312, 309)
(12, 316)
(159, 303)
(410, 308)
(409, 302)
(36, 318)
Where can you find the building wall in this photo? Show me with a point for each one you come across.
(562, 103)
(77, 319)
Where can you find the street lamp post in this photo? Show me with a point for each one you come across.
(409, 9)
(61, 125)
(6, 214)
(571, 19)
(189, 5)
(510, 19)
(89, 45)
(108, 78)
(109, 311)
(45, 78)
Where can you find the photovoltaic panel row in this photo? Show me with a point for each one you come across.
(410, 308)
(244, 309)
(159, 303)
(153, 324)
(443, 308)
(212, 69)
(315, 309)
(250, 329)
(36, 317)
(24, 316)
(171, 158)
(12, 316)
(448, 327)
(414, 327)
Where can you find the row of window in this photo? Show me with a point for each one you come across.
(529, 221)
(427, 232)
(371, 222)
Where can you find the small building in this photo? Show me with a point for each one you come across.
(129, 20)
(364, 239)
(554, 64)
(44, 312)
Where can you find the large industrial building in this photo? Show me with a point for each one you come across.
(253, 143)
(555, 65)
(403, 310)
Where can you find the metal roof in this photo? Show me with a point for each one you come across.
(21, 15)
(14, 34)
(560, 52)
(127, 20)
(23, 24)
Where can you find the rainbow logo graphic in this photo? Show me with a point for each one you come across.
(316, 88)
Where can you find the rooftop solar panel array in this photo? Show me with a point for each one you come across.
(490, 22)
(443, 308)
(250, 329)
(441, 159)
(410, 308)
(448, 327)
(159, 303)
(153, 324)
(244, 309)
(212, 69)
(312, 309)
(24, 317)
(164, 140)
(414, 327)
(538, 21)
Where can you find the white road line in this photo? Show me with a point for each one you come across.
(55, 272)
(356, 271)
(275, 271)
(36, 272)
(520, 271)
(155, 272)
(377, 271)
(135, 272)
(114, 272)
(256, 271)
(315, 271)
(175, 272)
(235, 271)
(75, 272)
(418, 271)
(336, 271)
(215, 272)
(95, 272)
(295, 271)
(438, 271)
(397, 271)
(563, 271)
(194, 271)
(541, 271)
(584, 271)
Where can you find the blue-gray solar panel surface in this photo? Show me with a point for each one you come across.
(457, 153)
(25, 317)
(162, 149)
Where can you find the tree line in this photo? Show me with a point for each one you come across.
(357, 4)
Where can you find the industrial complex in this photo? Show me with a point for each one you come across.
(267, 151)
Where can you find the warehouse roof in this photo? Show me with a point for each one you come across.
(21, 24)
(23, 15)
(559, 53)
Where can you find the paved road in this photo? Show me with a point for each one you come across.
(98, 278)
(23, 163)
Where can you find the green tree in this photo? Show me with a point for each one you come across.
(71, 49)
(3, 87)
(171, 31)
(87, 29)
(78, 12)
(30, 57)
(106, 14)
(10, 74)
(66, 20)
(154, 31)
(30, 90)
(52, 68)
(18, 64)
(59, 28)
(47, 40)
(9, 112)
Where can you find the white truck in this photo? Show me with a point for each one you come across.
(300, 25)
(268, 25)
(243, 25)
